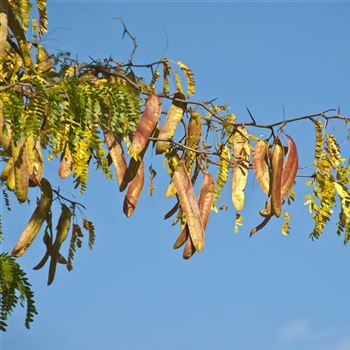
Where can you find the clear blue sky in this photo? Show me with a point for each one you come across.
(133, 292)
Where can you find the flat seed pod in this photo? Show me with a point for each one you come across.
(290, 168)
(116, 151)
(36, 220)
(66, 164)
(20, 155)
(189, 205)
(146, 124)
(194, 132)
(276, 177)
(260, 165)
(62, 228)
(241, 152)
(174, 115)
(205, 202)
(134, 191)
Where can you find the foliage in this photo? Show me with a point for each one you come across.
(102, 113)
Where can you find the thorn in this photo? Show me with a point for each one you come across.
(251, 116)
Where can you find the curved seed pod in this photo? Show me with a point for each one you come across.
(62, 232)
(47, 239)
(134, 191)
(20, 155)
(260, 165)
(290, 168)
(7, 169)
(241, 152)
(260, 226)
(146, 124)
(174, 115)
(172, 211)
(189, 205)
(276, 177)
(116, 151)
(36, 220)
(205, 202)
(66, 164)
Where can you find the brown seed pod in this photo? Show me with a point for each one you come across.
(276, 177)
(10, 181)
(20, 156)
(36, 220)
(189, 249)
(205, 202)
(62, 228)
(66, 163)
(189, 205)
(290, 168)
(260, 165)
(134, 191)
(146, 124)
(116, 151)
(174, 115)
(241, 152)
(194, 132)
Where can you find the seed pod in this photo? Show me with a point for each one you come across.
(189, 248)
(276, 177)
(173, 118)
(146, 124)
(116, 151)
(10, 181)
(194, 132)
(132, 169)
(134, 191)
(62, 232)
(205, 202)
(20, 155)
(36, 163)
(290, 168)
(5, 133)
(260, 165)
(261, 225)
(241, 152)
(66, 164)
(36, 220)
(182, 237)
(189, 204)
(7, 169)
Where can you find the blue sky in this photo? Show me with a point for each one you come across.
(267, 293)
